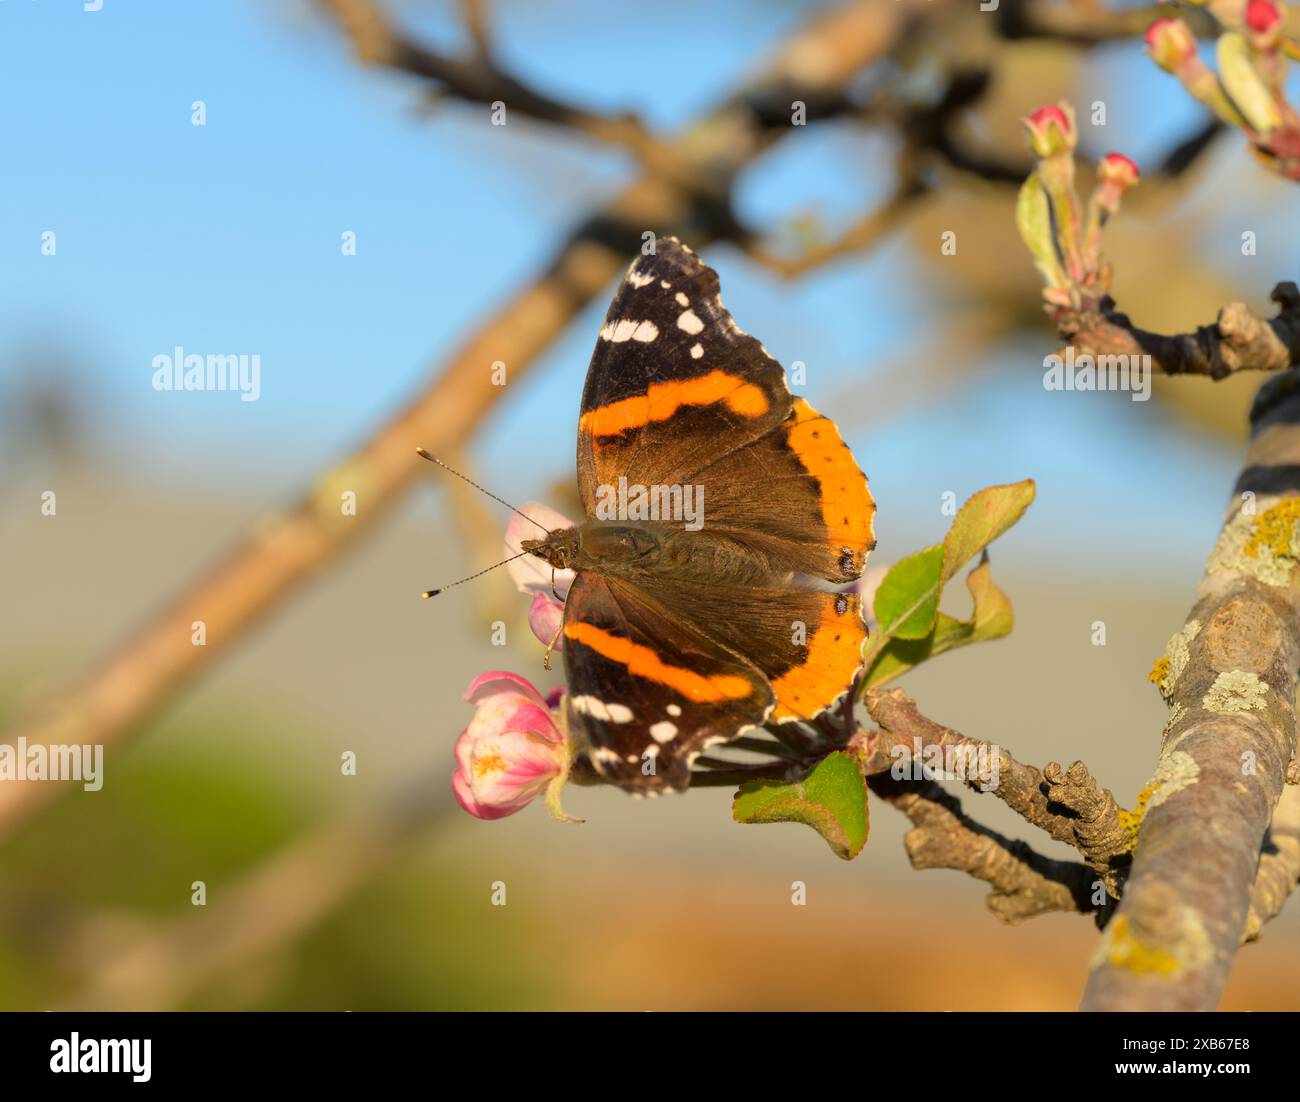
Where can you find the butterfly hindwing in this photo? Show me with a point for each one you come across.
(807, 642)
(647, 690)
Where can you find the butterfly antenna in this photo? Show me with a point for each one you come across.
(434, 592)
(434, 459)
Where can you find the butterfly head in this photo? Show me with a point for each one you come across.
(559, 549)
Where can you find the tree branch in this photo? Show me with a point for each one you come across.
(1024, 882)
(1086, 23)
(477, 78)
(1279, 864)
(1229, 677)
(903, 727)
(1237, 341)
(862, 235)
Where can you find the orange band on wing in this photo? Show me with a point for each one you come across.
(663, 400)
(847, 505)
(643, 662)
(833, 656)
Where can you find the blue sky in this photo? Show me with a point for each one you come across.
(226, 238)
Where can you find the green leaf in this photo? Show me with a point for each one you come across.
(1248, 91)
(1034, 221)
(984, 517)
(991, 618)
(832, 799)
(907, 600)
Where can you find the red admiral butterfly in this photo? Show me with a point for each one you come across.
(707, 488)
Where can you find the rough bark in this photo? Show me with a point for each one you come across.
(1229, 676)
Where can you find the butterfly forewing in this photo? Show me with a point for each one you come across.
(673, 384)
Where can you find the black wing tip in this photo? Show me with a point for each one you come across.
(677, 266)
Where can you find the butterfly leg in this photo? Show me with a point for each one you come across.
(546, 658)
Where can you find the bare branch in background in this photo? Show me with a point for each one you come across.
(1087, 24)
(273, 905)
(477, 78)
(861, 236)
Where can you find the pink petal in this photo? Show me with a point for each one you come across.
(510, 770)
(545, 615)
(1050, 113)
(500, 681)
(463, 749)
(506, 712)
(461, 790)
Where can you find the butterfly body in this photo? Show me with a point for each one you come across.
(647, 549)
(712, 496)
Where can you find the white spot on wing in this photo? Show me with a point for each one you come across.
(664, 732)
(697, 350)
(638, 280)
(598, 709)
(674, 709)
(689, 322)
(625, 330)
(682, 300)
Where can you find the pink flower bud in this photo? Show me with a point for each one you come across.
(1051, 130)
(1118, 170)
(511, 750)
(545, 615)
(1170, 43)
(1262, 16)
